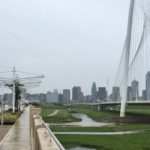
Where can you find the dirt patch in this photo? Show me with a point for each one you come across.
(4, 130)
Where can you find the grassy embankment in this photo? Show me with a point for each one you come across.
(63, 115)
(135, 114)
(107, 142)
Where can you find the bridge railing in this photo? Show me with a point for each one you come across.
(42, 137)
(52, 134)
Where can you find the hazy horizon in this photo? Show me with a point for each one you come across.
(71, 42)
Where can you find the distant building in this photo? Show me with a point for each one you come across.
(52, 97)
(60, 98)
(129, 93)
(88, 98)
(144, 95)
(66, 95)
(7, 97)
(148, 85)
(81, 97)
(102, 93)
(94, 92)
(23, 93)
(33, 97)
(76, 93)
(115, 94)
(135, 90)
(43, 98)
(48, 96)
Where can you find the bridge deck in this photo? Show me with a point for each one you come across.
(18, 137)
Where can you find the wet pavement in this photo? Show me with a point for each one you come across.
(18, 138)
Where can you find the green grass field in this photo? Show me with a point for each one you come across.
(134, 114)
(114, 142)
(137, 118)
(123, 127)
(63, 115)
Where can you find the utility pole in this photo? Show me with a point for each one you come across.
(12, 83)
(13, 89)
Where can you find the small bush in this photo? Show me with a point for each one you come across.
(10, 118)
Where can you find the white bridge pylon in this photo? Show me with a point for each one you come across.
(23, 81)
(134, 62)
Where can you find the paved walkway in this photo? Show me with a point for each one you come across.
(103, 133)
(18, 137)
(54, 113)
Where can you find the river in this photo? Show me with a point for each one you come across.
(85, 121)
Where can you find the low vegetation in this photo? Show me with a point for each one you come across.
(119, 127)
(107, 142)
(10, 118)
(137, 118)
(63, 115)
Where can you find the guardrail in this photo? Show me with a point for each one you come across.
(52, 134)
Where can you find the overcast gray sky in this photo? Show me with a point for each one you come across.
(71, 42)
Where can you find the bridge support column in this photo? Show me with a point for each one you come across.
(123, 109)
(98, 108)
(126, 60)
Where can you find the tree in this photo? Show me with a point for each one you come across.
(17, 96)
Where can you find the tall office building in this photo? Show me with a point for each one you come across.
(144, 95)
(48, 96)
(76, 93)
(148, 85)
(60, 98)
(116, 94)
(129, 93)
(52, 97)
(102, 93)
(66, 95)
(94, 92)
(135, 89)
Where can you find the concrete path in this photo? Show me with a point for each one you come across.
(54, 113)
(18, 137)
(102, 133)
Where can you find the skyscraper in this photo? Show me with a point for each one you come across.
(102, 93)
(60, 98)
(94, 92)
(129, 93)
(115, 94)
(144, 95)
(135, 89)
(148, 85)
(76, 93)
(66, 95)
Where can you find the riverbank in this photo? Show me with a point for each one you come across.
(62, 115)
(3, 130)
(134, 114)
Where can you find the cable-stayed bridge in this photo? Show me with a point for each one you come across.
(133, 71)
(132, 81)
